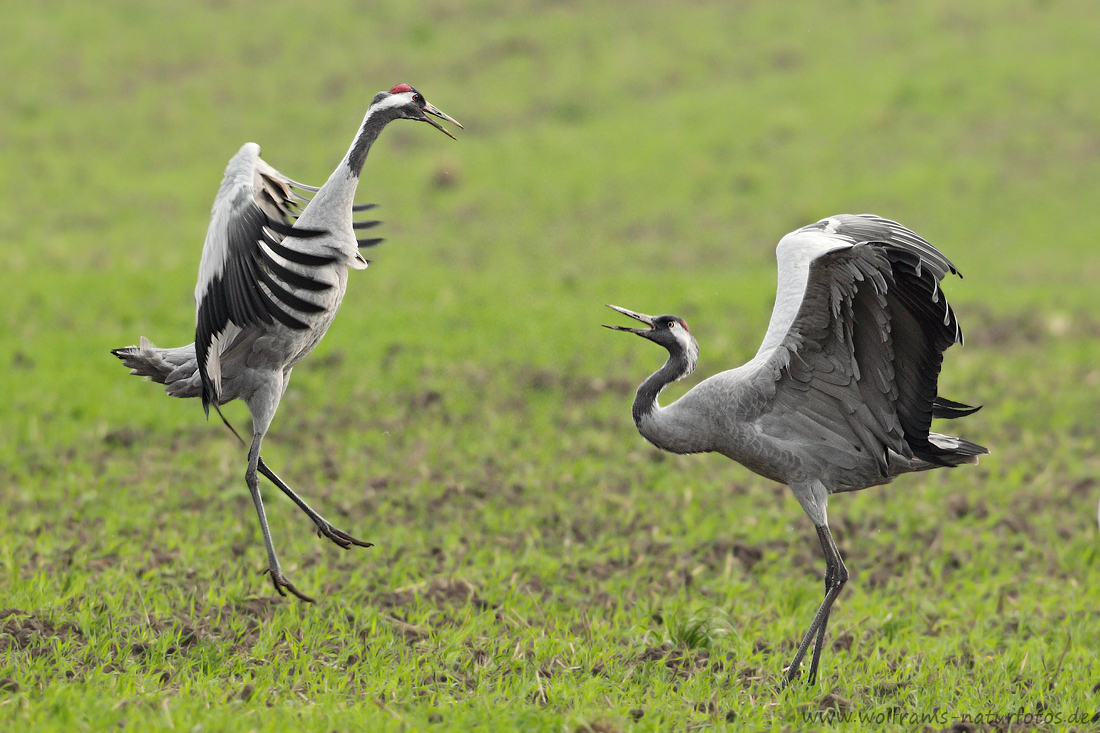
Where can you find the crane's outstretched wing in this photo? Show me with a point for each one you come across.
(255, 264)
(856, 341)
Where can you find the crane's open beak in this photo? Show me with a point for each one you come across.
(431, 109)
(648, 320)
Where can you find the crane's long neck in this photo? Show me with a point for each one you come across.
(645, 401)
(375, 119)
(338, 193)
(671, 428)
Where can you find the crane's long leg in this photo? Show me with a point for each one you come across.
(832, 570)
(324, 527)
(273, 567)
(836, 575)
(819, 644)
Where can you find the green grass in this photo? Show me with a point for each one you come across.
(537, 565)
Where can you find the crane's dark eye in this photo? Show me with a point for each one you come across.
(416, 97)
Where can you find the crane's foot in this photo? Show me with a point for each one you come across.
(280, 582)
(340, 537)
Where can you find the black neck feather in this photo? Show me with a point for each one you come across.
(645, 401)
(368, 133)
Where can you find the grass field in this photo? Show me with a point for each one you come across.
(538, 566)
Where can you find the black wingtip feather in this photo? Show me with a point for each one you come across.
(364, 243)
(292, 278)
(299, 258)
(291, 300)
(945, 409)
(296, 232)
(365, 224)
(286, 319)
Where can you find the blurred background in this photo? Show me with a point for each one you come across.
(649, 154)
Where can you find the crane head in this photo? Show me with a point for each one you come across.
(672, 332)
(408, 103)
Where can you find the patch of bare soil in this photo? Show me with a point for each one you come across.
(683, 662)
(441, 591)
(25, 631)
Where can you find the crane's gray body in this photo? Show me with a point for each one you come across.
(265, 297)
(824, 398)
(842, 392)
(270, 283)
(254, 363)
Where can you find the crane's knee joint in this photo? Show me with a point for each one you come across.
(841, 577)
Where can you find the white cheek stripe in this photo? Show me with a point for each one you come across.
(395, 100)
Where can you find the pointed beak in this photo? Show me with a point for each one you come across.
(648, 320)
(431, 109)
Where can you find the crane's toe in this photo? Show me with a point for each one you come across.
(280, 582)
(340, 537)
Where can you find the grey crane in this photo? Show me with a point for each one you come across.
(271, 279)
(843, 390)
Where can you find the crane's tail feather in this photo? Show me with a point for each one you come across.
(956, 451)
(177, 369)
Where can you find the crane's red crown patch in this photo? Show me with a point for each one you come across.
(401, 88)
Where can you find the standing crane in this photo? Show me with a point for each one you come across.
(271, 279)
(843, 390)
